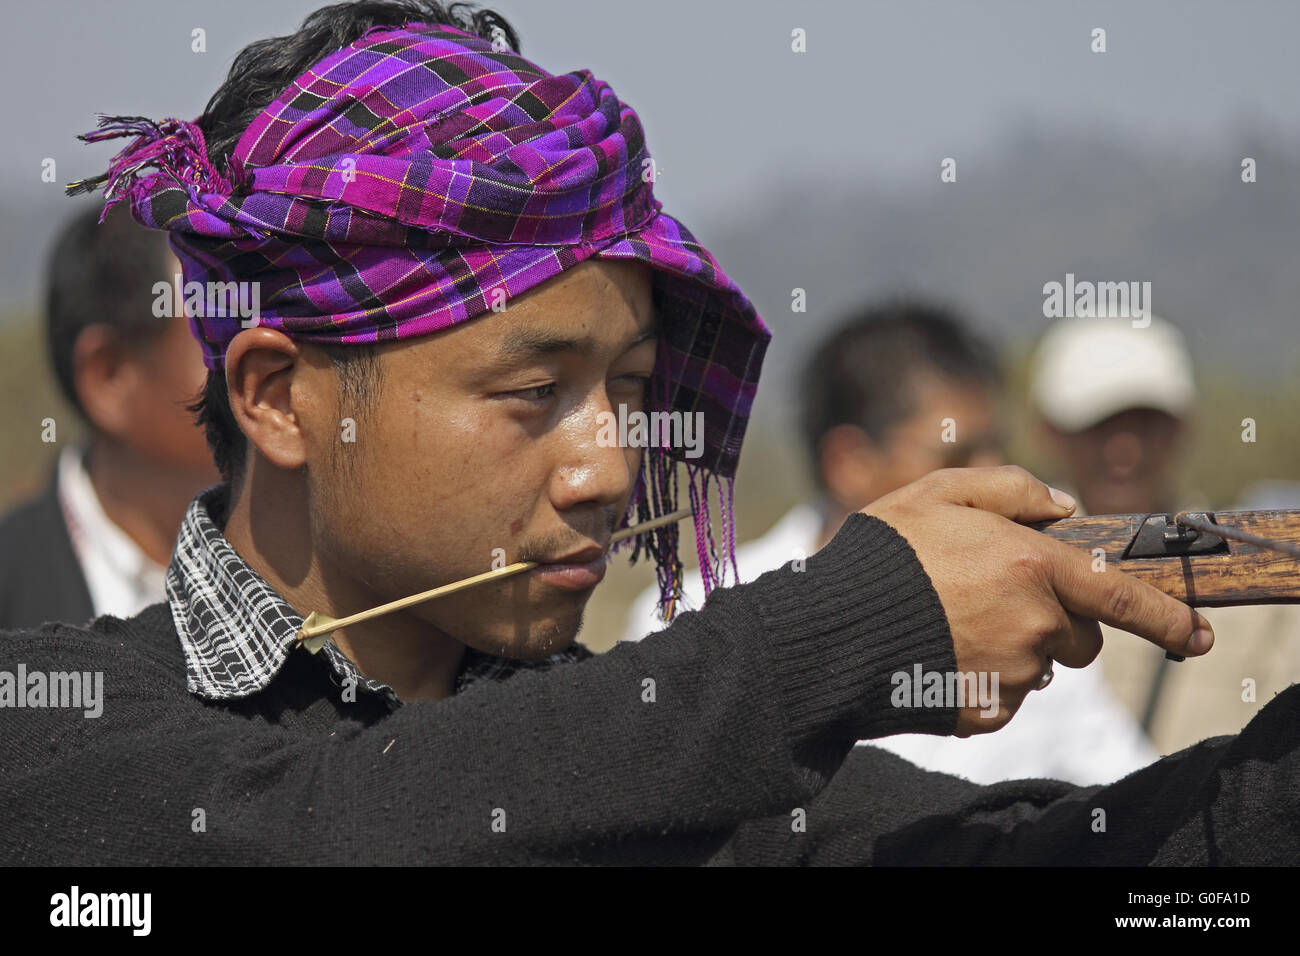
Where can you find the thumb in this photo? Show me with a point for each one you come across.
(1007, 490)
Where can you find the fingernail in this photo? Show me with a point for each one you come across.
(1201, 641)
(1061, 498)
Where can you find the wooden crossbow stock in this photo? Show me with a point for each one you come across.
(1205, 559)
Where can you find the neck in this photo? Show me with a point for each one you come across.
(147, 502)
(269, 525)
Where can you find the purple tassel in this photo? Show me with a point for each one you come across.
(728, 506)
(173, 147)
(656, 494)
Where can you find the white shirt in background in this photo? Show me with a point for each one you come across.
(121, 578)
(1075, 730)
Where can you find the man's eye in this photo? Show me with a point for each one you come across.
(537, 393)
(639, 383)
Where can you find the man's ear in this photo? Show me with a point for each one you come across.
(261, 365)
(850, 466)
(103, 378)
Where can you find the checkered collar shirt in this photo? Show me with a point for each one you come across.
(237, 632)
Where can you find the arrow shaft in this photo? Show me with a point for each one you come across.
(327, 625)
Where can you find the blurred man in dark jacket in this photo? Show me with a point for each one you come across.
(98, 538)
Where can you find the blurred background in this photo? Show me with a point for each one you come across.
(819, 171)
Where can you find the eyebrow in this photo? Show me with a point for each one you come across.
(524, 344)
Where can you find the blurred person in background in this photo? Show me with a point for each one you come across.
(98, 539)
(895, 392)
(1117, 407)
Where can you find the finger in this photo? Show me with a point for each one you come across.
(1123, 601)
(1010, 700)
(1078, 644)
(1017, 679)
(1007, 490)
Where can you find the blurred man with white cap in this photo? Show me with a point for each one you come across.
(1117, 402)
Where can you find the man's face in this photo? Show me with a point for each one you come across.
(167, 374)
(164, 430)
(953, 424)
(479, 449)
(1123, 464)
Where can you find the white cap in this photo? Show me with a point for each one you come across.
(1087, 369)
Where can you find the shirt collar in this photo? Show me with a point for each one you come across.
(122, 579)
(237, 632)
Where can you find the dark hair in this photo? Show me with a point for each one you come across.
(861, 373)
(101, 275)
(260, 73)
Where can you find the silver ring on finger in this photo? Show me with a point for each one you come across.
(1048, 674)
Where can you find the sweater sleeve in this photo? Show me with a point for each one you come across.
(653, 752)
(1230, 800)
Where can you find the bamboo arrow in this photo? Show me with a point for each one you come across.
(317, 627)
(1203, 559)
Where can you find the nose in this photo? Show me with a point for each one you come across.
(1122, 453)
(594, 463)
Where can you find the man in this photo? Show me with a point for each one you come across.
(897, 391)
(384, 196)
(107, 520)
(1117, 404)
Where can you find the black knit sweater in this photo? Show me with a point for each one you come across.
(739, 758)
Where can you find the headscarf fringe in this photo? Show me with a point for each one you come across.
(174, 147)
(656, 494)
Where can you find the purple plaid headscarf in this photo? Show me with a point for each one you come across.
(410, 180)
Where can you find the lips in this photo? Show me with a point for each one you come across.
(578, 571)
(584, 556)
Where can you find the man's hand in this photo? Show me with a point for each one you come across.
(1016, 600)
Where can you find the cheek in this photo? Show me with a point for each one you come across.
(162, 427)
(173, 377)
(179, 368)
(443, 485)
(916, 461)
(456, 451)
(1085, 456)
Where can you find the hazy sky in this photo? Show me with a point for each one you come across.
(884, 91)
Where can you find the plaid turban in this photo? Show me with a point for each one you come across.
(422, 175)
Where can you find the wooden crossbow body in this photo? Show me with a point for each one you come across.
(1202, 558)
(1205, 559)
